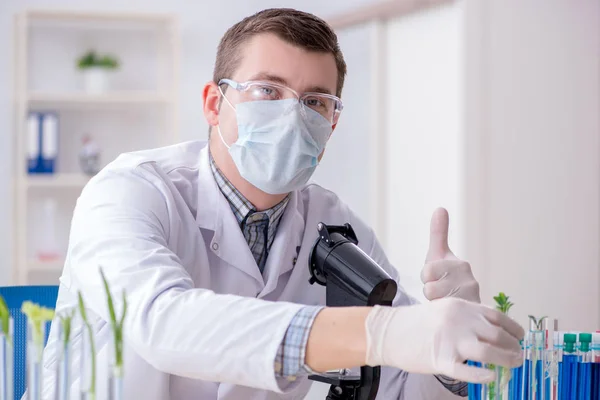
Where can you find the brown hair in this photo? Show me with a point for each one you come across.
(295, 27)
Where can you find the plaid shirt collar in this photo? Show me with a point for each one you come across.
(241, 207)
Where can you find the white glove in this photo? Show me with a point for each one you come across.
(437, 337)
(444, 275)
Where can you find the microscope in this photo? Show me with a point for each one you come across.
(351, 278)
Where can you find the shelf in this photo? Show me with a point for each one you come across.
(108, 99)
(56, 180)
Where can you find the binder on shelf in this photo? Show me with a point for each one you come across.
(34, 143)
(42, 146)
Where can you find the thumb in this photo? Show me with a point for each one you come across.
(467, 373)
(438, 236)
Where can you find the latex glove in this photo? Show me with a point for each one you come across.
(445, 275)
(437, 337)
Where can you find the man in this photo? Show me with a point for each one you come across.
(211, 244)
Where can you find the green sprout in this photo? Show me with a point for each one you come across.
(5, 320)
(66, 319)
(37, 316)
(117, 326)
(503, 304)
(92, 389)
(536, 322)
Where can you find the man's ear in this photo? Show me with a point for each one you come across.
(211, 97)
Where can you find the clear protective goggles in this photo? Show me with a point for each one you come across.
(329, 106)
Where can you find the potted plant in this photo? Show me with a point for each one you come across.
(96, 69)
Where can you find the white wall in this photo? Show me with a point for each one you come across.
(533, 156)
(424, 100)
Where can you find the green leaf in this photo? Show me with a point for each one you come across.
(5, 319)
(91, 59)
(116, 326)
(66, 319)
(92, 344)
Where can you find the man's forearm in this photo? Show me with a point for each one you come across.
(338, 339)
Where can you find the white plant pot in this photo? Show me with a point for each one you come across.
(96, 80)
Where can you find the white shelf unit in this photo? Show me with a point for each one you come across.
(139, 111)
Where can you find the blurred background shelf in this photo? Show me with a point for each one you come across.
(73, 100)
(135, 108)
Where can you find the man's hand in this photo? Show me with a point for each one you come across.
(444, 275)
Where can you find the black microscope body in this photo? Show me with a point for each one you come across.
(351, 278)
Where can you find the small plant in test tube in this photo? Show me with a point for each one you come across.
(116, 359)
(88, 356)
(63, 375)
(498, 390)
(37, 317)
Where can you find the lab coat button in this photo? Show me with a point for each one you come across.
(215, 246)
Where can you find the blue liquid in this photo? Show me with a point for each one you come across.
(559, 380)
(474, 388)
(539, 378)
(583, 386)
(517, 375)
(595, 389)
(525, 380)
(569, 377)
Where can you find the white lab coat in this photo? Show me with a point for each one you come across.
(202, 322)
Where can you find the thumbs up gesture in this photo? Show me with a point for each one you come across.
(445, 275)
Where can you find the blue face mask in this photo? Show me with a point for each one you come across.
(278, 145)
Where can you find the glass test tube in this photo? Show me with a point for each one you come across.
(6, 362)
(595, 387)
(88, 385)
(584, 375)
(36, 334)
(525, 375)
(63, 373)
(115, 384)
(569, 367)
(537, 354)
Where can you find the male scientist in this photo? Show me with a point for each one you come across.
(210, 243)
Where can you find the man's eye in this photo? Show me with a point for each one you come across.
(315, 103)
(265, 92)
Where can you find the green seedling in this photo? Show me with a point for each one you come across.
(66, 320)
(536, 322)
(37, 316)
(117, 325)
(92, 388)
(503, 304)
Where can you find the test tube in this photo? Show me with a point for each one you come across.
(63, 373)
(595, 389)
(585, 367)
(6, 362)
(559, 346)
(115, 384)
(569, 380)
(551, 361)
(525, 376)
(36, 332)
(87, 385)
(537, 353)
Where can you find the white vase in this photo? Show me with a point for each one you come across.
(95, 80)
